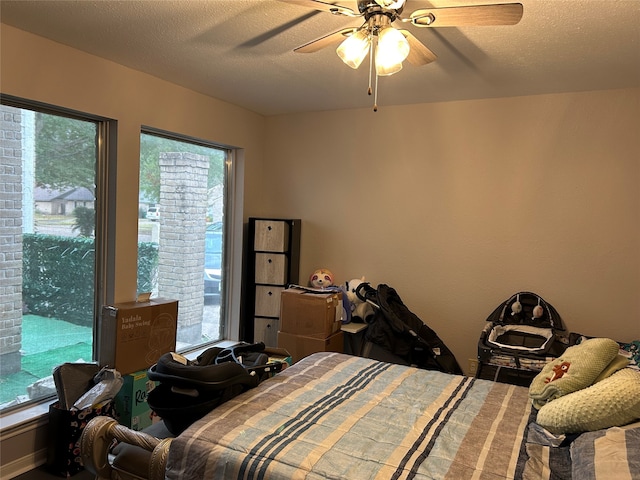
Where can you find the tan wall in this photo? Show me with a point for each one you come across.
(456, 205)
(459, 205)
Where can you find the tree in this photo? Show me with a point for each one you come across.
(65, 152)
(150, 148)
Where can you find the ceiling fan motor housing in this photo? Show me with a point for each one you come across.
(371, 7)
(377, 21)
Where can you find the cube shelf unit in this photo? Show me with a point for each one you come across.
(272, 261)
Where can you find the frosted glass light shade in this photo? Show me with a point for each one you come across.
(393, 48)
(384, 70)
(354, 48)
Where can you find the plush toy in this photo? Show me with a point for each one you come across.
(361, 311)
(538, 311)
(516, 308)
(321, 278)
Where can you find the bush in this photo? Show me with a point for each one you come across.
(85, 221)
(58, 276)
(147, 266)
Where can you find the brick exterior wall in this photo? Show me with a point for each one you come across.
(10, 239)
(183, 200)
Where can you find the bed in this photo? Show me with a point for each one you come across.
(335, 416)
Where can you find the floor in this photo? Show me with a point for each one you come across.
(41, 473)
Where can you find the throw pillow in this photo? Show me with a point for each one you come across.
(612, 402)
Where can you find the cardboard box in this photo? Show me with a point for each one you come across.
(131, 407)
(300, 346)
(310, 314)
(134, 335)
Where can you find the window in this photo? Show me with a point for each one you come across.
(181, 232)
(52, 164)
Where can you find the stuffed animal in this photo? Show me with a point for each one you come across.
(361, 311)
(321, 278)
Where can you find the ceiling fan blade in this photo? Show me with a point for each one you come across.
(419, 54)
(476, 15)
(325, 41)
(324, 7)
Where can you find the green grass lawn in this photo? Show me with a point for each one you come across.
(46, 343)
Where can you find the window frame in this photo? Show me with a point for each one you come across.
(104, 236)
(228, 326)
(23, 418)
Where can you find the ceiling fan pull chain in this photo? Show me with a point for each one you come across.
(371, 51)
(375, 97)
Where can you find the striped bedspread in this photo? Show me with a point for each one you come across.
(609, 454)
(334, 416)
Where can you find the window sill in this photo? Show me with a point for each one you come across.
(18, 421)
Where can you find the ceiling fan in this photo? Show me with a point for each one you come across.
(389, 46)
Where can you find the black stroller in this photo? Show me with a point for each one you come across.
(397, 335)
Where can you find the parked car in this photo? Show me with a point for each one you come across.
(213, 261)
(153, 213)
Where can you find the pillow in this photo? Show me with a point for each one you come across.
(575, 369)
(616, 364)
(612, 402)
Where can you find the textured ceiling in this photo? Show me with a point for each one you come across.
(241, 51)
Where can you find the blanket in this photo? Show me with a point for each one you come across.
(608, 454)
(334, 416)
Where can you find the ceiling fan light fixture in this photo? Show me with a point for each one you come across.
(389, 47)
(392, 49)
(353, 50)
(386, 69)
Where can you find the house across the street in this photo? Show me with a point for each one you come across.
(62, 202)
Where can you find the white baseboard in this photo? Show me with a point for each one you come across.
(23, 465)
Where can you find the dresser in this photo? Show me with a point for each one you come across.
(272, 261)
